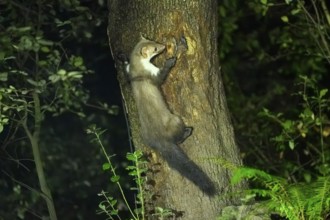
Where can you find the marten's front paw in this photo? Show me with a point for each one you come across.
(123, 57)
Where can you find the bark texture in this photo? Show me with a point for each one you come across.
(193, 90)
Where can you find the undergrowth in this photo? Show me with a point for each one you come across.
(137, 169)
(304, 192)
(295, 201)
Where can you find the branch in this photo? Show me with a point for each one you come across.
(325, 11)
(34, 141)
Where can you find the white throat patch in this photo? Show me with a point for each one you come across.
(150, 67)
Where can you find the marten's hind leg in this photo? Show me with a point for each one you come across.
(186, 133)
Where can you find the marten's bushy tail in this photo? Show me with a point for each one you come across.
(178, 160)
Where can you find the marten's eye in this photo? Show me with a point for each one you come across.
(155, 49)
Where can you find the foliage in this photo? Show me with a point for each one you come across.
(41, 76)
(34, 62)
(306, 133)
(109, 205)
(110, 201)
(266, 49)
(296, 201)
(37, 77)
(272, 48)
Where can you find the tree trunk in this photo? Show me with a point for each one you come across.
(193, 90)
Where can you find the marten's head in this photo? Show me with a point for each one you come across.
(148, 49)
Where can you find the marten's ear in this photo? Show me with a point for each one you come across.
(144, 52)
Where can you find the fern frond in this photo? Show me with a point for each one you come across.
(253, 174)
(302, 201)
(318, 200)
(297, 196)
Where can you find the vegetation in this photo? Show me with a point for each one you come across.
(138, 171)
(275, 58)
(42, 88)
(284, 81)
(295, 201)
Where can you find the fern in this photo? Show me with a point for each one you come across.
(318, 201)
(299, 201)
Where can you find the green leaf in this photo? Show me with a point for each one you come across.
(318, 121)
(130, 168)
(26, 43)
(130, 157)
(307, 177)
(3, 77)
(2, 55)
(24, 92)
(115, 179)
(54, 78)
(285, 19)
(45, 42)
(32, 82)
(106, 166)
(24, 29)
(113, 202)
(138, 153)
(78, 61)
(5, 120)
(75, 74)
(114, 212)
(42, 63)
(295, 11)
(264, 2)
(102, 207)
(279, 138)
(291, 144)
(45, 49)
(35, 83)
(133, 173)
(323, 92)
(61, 72)
(287, 124)
(222, 11)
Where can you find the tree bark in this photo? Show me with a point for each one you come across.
(193, 90)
